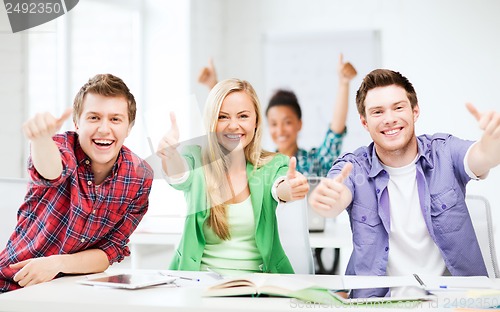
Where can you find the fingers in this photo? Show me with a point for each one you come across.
(202, 76)
(489, 122)
(44, 124)
(473, 110)
(173, 121)
(344, 173)
(67, 113)
(21, 276)
(292, 165)
(60, 121)
(19, 265)
(298, 186)
(330, 191)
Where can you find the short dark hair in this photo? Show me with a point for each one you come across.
(382, 78)
(285, 98)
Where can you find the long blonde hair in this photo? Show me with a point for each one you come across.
(215, 161)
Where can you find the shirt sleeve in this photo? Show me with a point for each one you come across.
(280, 175)
(114, 244)
(322, 158)
(180, 180)
(467, 168)
(274, 189)
(69, 165)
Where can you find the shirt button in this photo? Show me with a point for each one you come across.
(87, 162)
(365, 154)
(386, 248)
(383, 171)
(82, 240)
(89, 182)
(363, 218)
(93, 211)
(443, 206)
(378, 191)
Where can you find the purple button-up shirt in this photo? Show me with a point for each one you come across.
(441, 180)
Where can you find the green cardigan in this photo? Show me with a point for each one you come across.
(188, 255)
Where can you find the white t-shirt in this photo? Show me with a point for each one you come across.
(411, 248)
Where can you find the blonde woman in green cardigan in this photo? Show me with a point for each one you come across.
(231, 186)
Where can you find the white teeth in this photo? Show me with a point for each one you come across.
(103, 141)
(233, 136)
(390, 132)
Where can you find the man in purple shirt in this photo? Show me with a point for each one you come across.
(405, 195)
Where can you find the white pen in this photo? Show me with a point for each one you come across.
(181, 277)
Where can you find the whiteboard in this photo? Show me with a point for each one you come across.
(306, 63)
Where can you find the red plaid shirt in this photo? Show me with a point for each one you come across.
(71, 214)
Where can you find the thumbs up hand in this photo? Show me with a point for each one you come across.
(44, 125)
(489, 122)
(295, 185)
(331, 196)
(486, 154)
(207, 75)
(345, 70)
(170, 141)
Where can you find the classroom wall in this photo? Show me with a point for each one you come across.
(13, 94)
(448, 49)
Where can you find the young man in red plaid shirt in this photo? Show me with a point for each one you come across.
(87, 192)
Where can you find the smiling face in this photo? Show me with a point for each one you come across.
(237, 121)
(102, 128)
(391, 123)
(284, 127)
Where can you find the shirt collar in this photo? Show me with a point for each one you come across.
(376, 165)
(83, 159)
(424, 150)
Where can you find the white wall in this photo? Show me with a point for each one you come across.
(12, 98)
(449, 50)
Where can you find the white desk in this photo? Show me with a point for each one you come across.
(64, 294)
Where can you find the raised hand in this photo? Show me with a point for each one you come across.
(345, 70)
(489, 122)
(207, 75)
(486, 154)
(331, 196)
(296, 182)
(44, 125)
(170, 141)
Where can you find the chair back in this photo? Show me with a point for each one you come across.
(12, 192)
(480, 212)
(294, 235)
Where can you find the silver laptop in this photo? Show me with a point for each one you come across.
(315, 221)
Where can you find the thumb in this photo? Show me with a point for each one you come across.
(211, 63)
(173, 122)
(344, 173)
(473, 110)
(67, 113)
(341, 59)
(291, 168)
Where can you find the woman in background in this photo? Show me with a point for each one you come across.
(232, 187)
